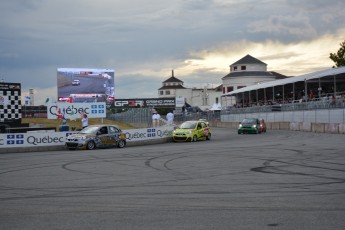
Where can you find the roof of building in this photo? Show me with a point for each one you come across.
(249, 74)
(278, 75)
(172, 87)
(172, 78)
(249, 60)
(219, 88)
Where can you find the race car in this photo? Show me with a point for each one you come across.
(192, 131)
(251, 125)
(75, 82)
(97, 136)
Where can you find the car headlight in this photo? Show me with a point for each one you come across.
(189, 132)
(240, 125)
(254, 126)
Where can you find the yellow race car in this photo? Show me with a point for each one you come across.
(192, 131)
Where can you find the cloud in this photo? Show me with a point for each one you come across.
(296, 25)
(143, 40)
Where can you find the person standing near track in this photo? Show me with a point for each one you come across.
(84, 120)
(155, 119)
(170, 118)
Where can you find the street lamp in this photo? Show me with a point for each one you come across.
(305, 90)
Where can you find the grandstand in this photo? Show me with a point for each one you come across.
(326, 85)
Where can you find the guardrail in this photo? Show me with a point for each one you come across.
(49, 141)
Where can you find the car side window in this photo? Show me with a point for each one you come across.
(113, 130)
(103, 130)
(199, 125)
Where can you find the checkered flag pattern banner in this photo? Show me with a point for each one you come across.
(12, 109)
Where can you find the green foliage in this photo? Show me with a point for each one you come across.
(163, 111)
(339, 57)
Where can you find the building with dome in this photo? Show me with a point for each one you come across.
(204, 98)
(246, 72)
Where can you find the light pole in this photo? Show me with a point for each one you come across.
(305, 90)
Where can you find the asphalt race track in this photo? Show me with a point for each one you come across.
(277, 180)
(87, 84)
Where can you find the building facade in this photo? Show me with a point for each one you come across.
(245, 72)
(204, 98)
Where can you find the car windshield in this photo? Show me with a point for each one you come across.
(89, 130)
(249, 120)
(188, 125)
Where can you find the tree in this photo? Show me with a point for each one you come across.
(339, 57)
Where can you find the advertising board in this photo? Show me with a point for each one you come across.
(146, 102)
(180, 102)
(74, 110)
(10, 103)
(85, 85)
(37, 139)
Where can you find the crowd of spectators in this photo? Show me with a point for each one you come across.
(337, 98)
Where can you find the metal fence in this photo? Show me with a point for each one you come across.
(142, 117)
(138, 117)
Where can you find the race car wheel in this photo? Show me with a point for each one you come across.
(90, 145)
(121, 144)
(195, 138)
(208, 137)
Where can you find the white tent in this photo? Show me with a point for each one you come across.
(290, 80)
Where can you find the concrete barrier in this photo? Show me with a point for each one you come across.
(305, 126)
(332, 128)
(275, 125)
(335, 128)
(62, 147)
(295, 126)
(55, 141)
(318, 127)
(341, 128)
(284, 125)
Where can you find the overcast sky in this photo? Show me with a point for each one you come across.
(143, 40)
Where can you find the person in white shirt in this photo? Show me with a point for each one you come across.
(84, 120)
(170, 118)
(155, 119)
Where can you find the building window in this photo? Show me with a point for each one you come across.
(167, 92)
(229, 88)
(235, 68)
(161, 92)
(243, 67)
(242, 86)
(223, 89)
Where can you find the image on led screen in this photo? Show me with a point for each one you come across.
(85, 85)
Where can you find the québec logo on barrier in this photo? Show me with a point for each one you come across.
(15, 139)
(151, 132)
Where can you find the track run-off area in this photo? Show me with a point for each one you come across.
(274, 180)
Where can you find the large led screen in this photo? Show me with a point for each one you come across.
(85, 85)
